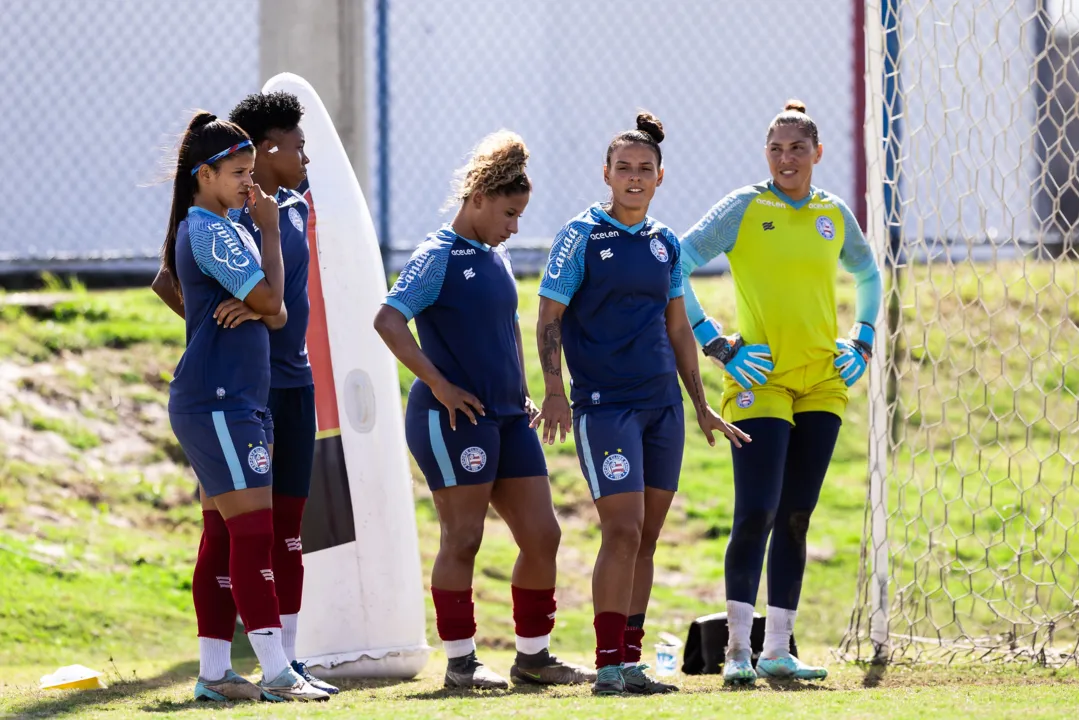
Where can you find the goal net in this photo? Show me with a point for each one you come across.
(971, 540)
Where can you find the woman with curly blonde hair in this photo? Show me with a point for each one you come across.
(468, 414)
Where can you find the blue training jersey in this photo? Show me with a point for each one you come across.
(223, 369)
(616, 282)
(464, 299)
(289, 366)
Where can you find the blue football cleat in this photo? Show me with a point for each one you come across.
(738, 668)
(789, 667)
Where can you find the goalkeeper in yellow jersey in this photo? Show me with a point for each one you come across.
(786, 374)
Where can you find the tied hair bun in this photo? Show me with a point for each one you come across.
(795, 106)
(650, 125)
(202, 119)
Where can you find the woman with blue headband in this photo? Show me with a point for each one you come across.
(220, 389)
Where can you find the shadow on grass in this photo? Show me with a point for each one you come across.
(793, 685)
(52, 704)
(61, 703)
(444, 693)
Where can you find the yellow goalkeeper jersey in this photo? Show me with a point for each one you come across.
(784, 255)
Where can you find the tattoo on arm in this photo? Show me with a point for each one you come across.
(698, 390)
(551, 349)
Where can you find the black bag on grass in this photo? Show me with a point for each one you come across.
(706, 644)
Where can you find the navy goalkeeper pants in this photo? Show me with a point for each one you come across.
(777, 481)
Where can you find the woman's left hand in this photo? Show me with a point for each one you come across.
(233, 312)
(709, 421)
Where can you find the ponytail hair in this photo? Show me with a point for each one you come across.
(205, 137)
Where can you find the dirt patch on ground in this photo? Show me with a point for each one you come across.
(92, 426)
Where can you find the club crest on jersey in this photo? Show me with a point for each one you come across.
(616, 467)
(744, 399)
(658, 249)
(473, 459)
(259, 460)
(595, 398)
(295, 219)
(221, 393)
(826, 227)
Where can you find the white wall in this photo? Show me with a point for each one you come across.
(569, 74)
(94, 95)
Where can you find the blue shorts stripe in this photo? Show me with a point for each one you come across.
(438, 446)
(586, 450)
(229, 450)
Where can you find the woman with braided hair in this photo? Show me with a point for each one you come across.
(468, 414)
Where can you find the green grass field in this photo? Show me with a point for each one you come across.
(98, 526)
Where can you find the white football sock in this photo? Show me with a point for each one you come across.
(288, 635)
(267, 646)
(459, 648)
(778, 627)
(739, 625)
(531, 646)
(215, 658)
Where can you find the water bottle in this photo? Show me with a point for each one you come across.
(665, 659)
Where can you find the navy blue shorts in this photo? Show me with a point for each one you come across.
(495, 448)
(625, 450)
(227, 450)
(293, 421)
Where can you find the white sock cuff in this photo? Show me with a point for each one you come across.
(459, 648)
(780, 620)
(739, 624)
(533, 645)
(739, 613)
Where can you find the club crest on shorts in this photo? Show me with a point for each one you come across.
(259, 460)
(826, 227)
(595, 398)
(744, 399)
(658, 249)
(473, 459)
(295, 219)
(616, 466)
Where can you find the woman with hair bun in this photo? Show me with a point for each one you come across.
(468, 414)
(611, 296)
(786, 373)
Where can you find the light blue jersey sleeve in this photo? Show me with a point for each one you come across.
(420, 282)
(221, 254)
(857, 259)
(677, 285)
(714, 234)
(565, 266)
